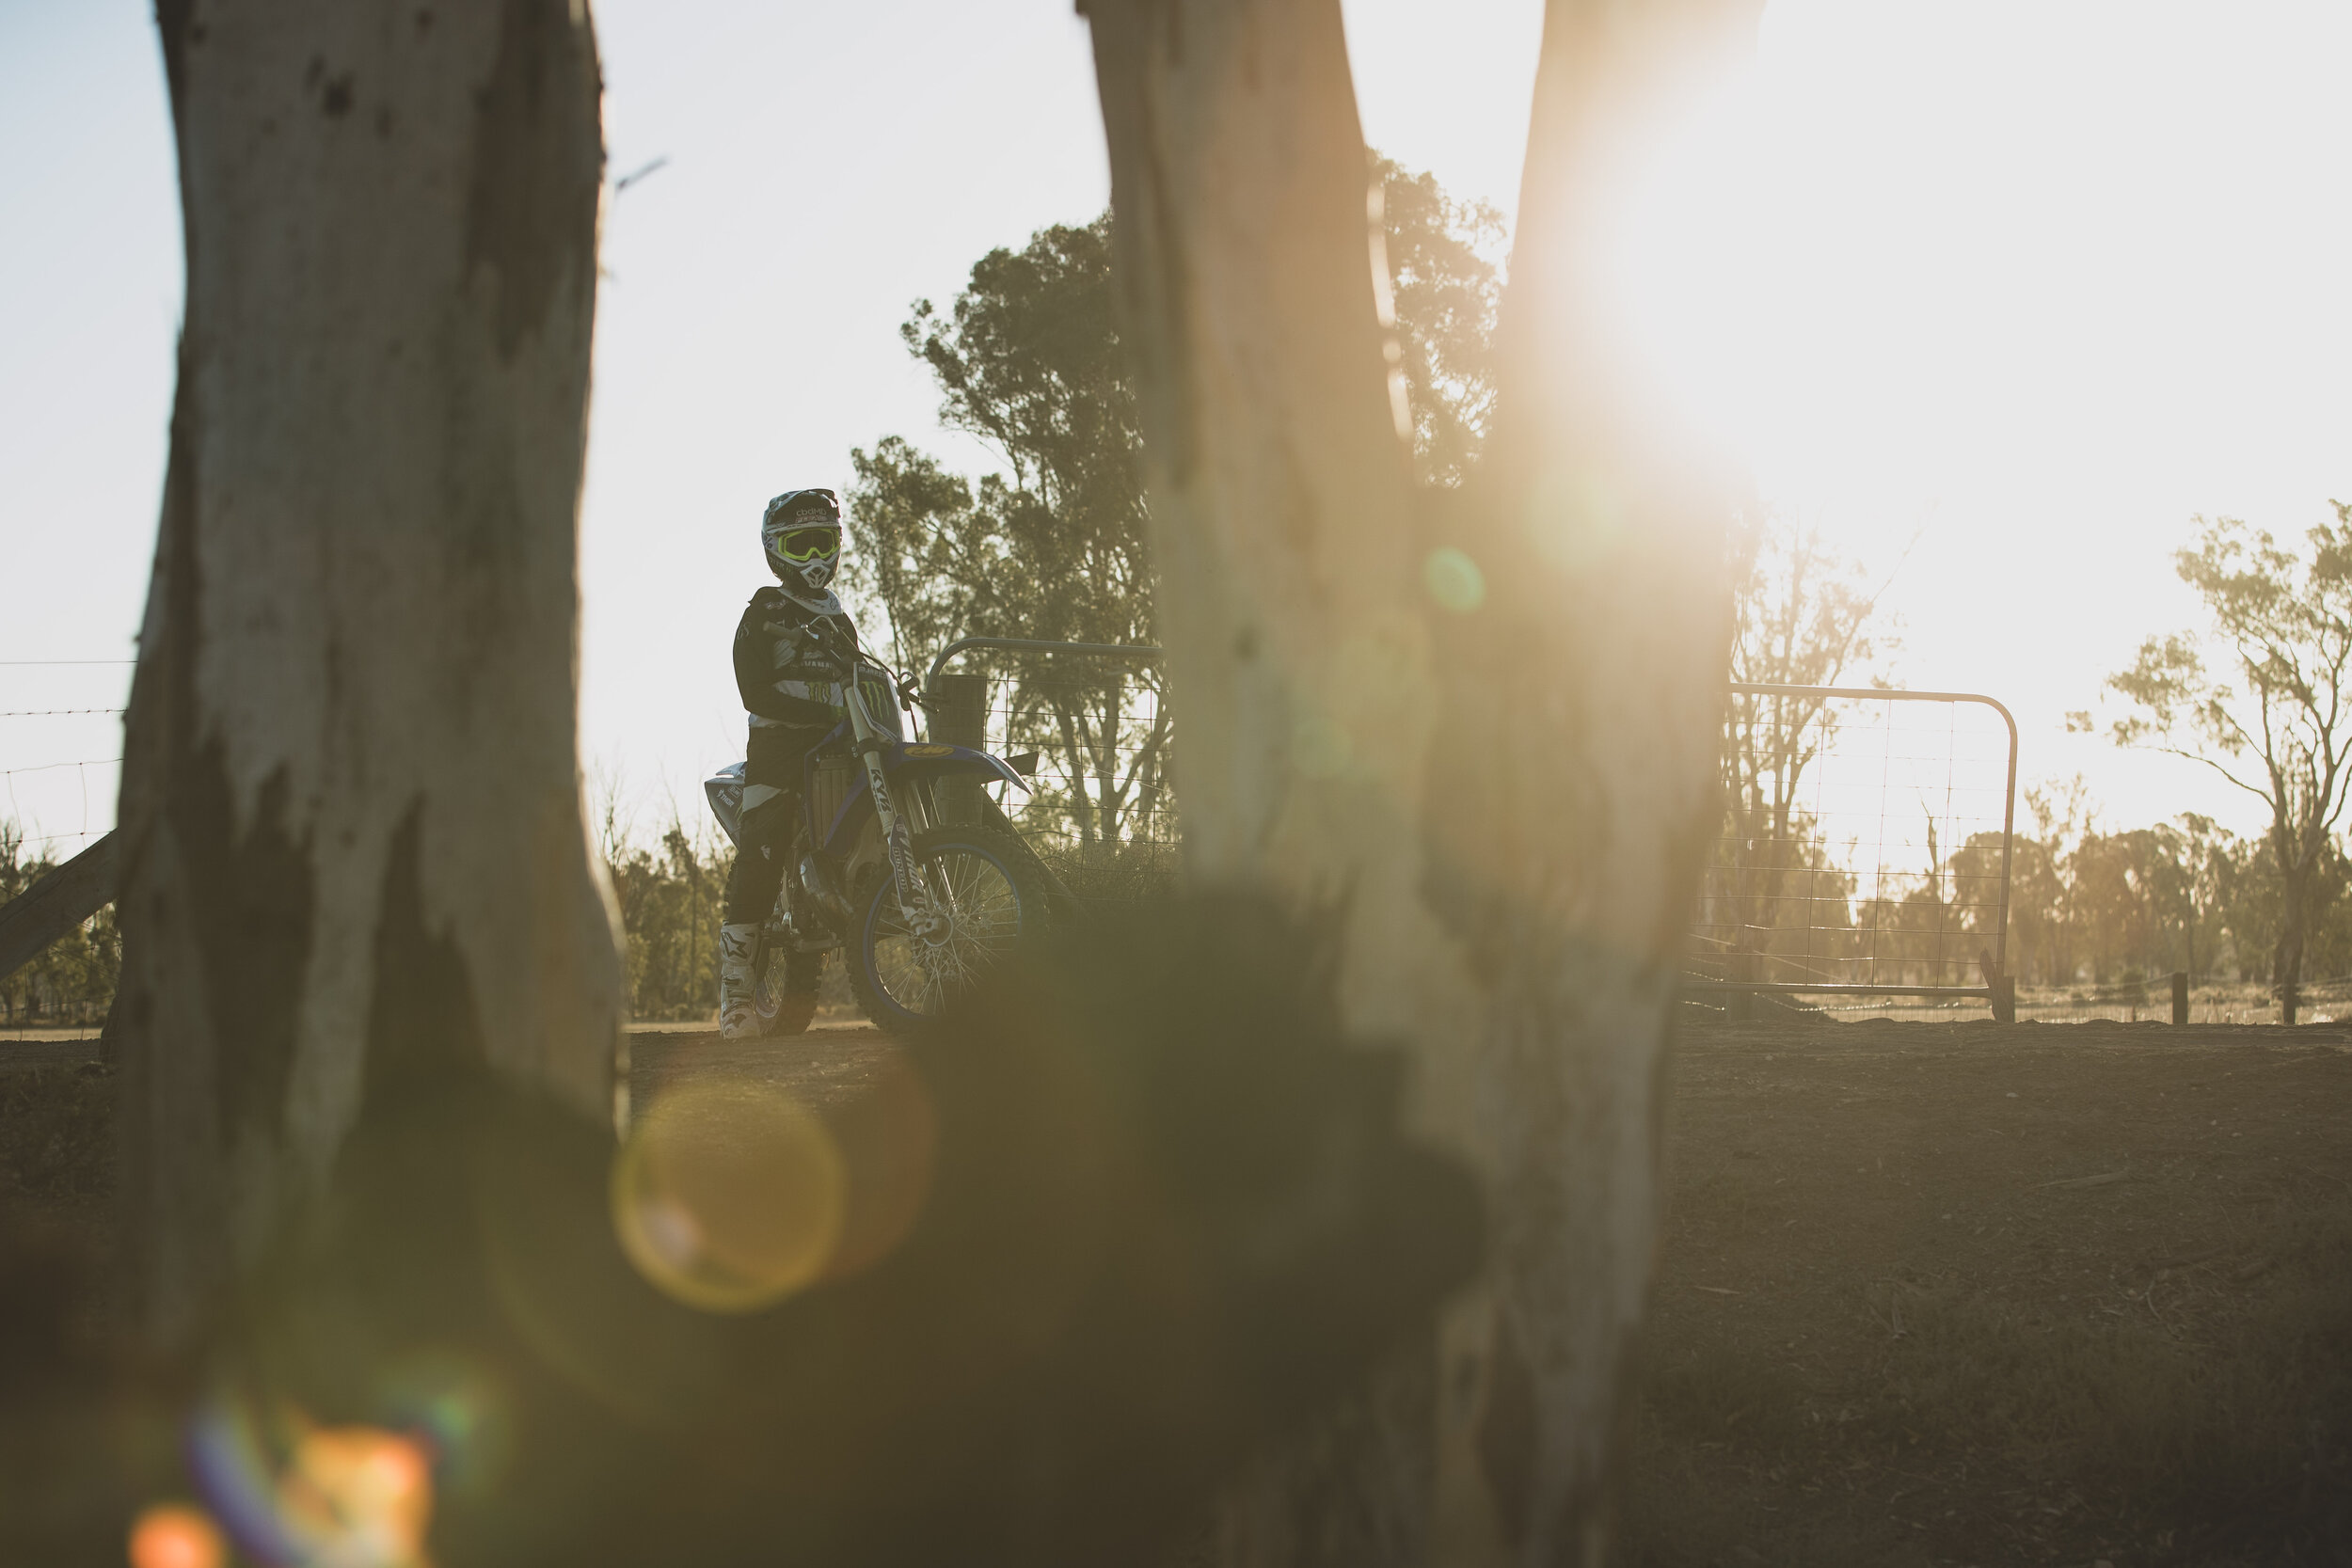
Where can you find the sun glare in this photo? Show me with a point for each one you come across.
(1913, 240)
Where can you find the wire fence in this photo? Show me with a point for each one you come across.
(89, 801)
(1862, 869)
(2212, 999)
(1099, 808)
(1864, 850)
(57, 716)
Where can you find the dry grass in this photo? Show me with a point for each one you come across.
(56, 1129)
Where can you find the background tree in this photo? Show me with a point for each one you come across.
(1802, 614)
(1027, 359)
(1446, 288)
(2272, 720)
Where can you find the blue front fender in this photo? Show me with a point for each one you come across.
(926, 761)
(902, 760)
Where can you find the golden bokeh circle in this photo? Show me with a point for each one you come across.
(728, 1195)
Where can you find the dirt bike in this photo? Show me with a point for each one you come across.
(920, 906)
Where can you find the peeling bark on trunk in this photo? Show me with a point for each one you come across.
(351, 809)
(1509, 803)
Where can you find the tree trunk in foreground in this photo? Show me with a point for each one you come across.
(1598, 522)
(1491, 740)
(351, 805)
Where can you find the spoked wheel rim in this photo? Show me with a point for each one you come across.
(920, 977)
(769, 981)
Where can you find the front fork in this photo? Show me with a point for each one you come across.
(922, 914)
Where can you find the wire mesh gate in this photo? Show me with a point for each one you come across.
(1864, 850)
(1100, 810)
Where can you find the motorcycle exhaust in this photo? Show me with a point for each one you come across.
(818, 878)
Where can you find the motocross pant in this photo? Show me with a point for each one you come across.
(772, 794)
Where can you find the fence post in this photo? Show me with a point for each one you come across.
(2004, 998)
(958, 711)
(2180, 996)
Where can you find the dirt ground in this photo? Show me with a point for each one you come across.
(1971, 1293)
(1927, 1294)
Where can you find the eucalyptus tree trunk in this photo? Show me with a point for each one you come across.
(1485, 739)
(351, 808)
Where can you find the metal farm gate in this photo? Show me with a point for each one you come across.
(1864, 850)
(1099, 811)
(1864, 854)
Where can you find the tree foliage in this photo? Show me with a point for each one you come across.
(1804, 615)
(1028, 360)
(1446, 291)
(1052, 547)
(2269, 711)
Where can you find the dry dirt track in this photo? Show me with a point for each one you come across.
(823, 1068)
(1926, 1293)
(1960, 1293)
(1968, 1294)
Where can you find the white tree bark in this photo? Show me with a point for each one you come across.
(351, 806)
(1510, 799)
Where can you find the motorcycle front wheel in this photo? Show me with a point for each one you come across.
(905, 981)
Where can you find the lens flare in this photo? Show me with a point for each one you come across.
(888, 1138)
(460, 1410)
(292, 1492)
(173, 1535)
(1453, 579)
(728, 1195)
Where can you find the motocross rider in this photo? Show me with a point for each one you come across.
(791, 654)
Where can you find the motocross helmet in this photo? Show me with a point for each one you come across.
(802, 534)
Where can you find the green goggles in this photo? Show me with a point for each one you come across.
(808, 544)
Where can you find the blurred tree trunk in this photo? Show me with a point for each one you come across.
(351, 807)
(1499, 771)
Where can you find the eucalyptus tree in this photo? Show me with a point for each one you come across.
(1445, 288)
(1027, 361)
(2269, 713)
(1802, 614)
(1489, 746)
(350, 802)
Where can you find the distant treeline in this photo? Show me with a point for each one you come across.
(669, 896)
(2109, 908)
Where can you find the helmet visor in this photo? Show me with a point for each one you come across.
(808, 544)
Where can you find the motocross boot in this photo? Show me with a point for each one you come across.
(737, 1019)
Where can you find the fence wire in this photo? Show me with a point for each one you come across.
(1864, 844)
(1099, 808)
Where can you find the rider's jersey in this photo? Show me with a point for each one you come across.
(787, 677)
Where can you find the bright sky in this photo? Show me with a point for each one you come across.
(2032, 283)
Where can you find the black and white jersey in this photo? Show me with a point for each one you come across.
(787, 676)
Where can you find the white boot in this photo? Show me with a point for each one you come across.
(737, 1020)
